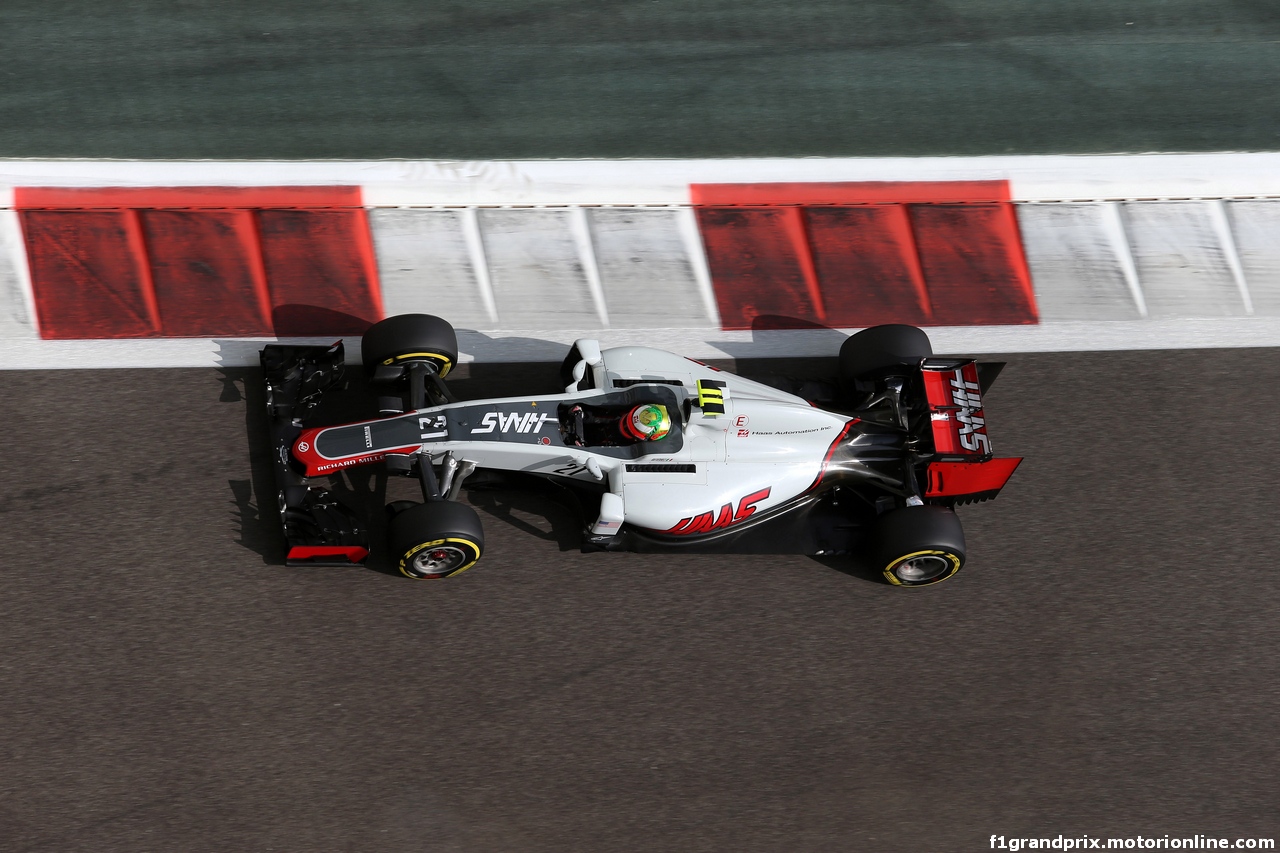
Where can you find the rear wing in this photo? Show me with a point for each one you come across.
(963, 469)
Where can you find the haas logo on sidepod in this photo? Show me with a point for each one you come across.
(709, 521)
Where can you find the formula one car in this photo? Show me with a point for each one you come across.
(667, 454)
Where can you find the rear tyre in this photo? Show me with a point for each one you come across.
(878, 351)
(397, 341)
(919, 545)
(435, 539)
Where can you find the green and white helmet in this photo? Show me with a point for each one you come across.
(646, 422)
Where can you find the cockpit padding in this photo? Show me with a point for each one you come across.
(597, 425)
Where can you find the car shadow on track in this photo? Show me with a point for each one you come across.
(854, 567)
(254, 499)
(538, 513)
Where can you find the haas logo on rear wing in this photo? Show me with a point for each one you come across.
(955, 408)
(963, 470)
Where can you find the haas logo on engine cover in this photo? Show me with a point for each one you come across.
(708, 521)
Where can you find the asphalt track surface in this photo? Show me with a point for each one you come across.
(157, 79)
(1107, 662)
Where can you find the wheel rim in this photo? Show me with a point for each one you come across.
(922, 568)
(437, 560)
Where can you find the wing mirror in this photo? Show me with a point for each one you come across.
(590, 351)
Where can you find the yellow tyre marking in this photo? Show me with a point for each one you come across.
(404, 559)
(444, 371)
(893, 579)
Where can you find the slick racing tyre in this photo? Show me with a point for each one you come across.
(875, 352)
(918, 545)
(435, 539)
(398, 340)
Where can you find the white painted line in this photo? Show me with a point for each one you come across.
(580, 229)
(1114, 227)
(479, 263)
(154, 352)
(1073, 264)
(550, 346)
(423, 265)
(691, 237)
(1255, 229)
(1222, 229)
(1179, 260)
(13, 253)
(664, 182)
(538, 280)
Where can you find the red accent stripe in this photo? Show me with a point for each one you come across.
(957, 479)
(973, 263)
(849, 192)
(138, 248)
(826, 460)
(755, 266)
(90, 198)
(205, 272)
(867, 256)
(199, 261)
(323, 281)
(86, 281)
(1018, 257)
(796, 255)
(797, 229)
(354, 553)
(257, 268)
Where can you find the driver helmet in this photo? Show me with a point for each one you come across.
(647, 422)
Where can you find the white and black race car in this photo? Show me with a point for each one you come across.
(739, 466)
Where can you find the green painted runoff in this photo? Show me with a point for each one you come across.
(635, 78)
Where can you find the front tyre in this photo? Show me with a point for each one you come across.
(434, 540)
(919, 545)
(404, 338)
